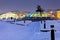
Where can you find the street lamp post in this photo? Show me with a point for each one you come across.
(52, 32)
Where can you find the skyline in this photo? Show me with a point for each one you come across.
(27, 5)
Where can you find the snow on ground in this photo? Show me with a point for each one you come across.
(30, 32)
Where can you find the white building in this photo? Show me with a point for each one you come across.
(9, 15)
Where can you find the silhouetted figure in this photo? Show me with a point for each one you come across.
(11, 18)
(39, 9)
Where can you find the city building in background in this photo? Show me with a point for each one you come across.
(57, 14)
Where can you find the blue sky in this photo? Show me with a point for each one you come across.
(27, 5)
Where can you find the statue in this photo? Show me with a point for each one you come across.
(39, 9)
